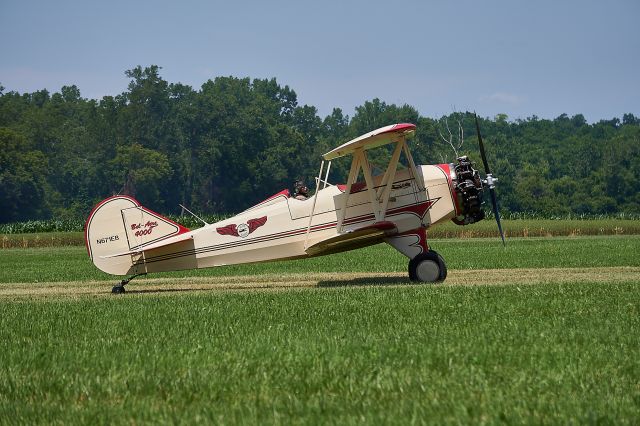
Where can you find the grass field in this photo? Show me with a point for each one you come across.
(72, 263)
(544, 331)
(484, 229)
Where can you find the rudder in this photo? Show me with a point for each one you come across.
(120, 224)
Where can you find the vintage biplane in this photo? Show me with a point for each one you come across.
(397, 206)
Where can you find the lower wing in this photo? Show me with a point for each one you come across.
(357, 238)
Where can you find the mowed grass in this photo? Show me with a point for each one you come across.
(545, 353)
(73, 264)
(418, 354)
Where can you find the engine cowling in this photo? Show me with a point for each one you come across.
(468, 187)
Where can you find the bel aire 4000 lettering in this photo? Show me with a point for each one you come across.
(149, 224)
(143, 229)
(141, 232)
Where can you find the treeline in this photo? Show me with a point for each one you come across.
(235, 141)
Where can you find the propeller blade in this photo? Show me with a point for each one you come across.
(496, 212)
(481, 145)
(490, 181)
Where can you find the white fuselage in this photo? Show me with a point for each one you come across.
(280, 227)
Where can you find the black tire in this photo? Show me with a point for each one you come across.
(427, 267)
(118, 289)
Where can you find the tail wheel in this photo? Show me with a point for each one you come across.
(427, 267)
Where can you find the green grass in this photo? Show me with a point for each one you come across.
(557, 354)
(544, 354)
(73, 264)
(17, 237)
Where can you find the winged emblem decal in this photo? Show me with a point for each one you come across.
(244, 229)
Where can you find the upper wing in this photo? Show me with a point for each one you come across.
(354, 239)
(378, 137)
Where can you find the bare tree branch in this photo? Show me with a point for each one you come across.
(456, 145)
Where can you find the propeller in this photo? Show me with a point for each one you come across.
(490, 180)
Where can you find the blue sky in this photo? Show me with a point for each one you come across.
(515, 57)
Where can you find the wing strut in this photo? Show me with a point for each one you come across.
(366, 171)
(315, 198)
(326, 177)
(379, 196)
(389, 176)
(412, 165)
(353, 175)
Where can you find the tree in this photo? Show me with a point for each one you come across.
(140, 172)
(23, 173)
(630, 120)
(234, 141)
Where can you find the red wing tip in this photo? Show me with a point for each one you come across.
(403, 126)
(398, 128)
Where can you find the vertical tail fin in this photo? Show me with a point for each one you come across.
(120, 224)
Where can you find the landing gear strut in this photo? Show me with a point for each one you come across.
(427, 267)
(119, 289)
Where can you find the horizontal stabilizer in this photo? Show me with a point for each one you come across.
(361, 237)
(163, 243)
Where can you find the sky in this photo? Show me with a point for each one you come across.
(517, 57)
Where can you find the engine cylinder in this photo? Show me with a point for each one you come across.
(468, 187)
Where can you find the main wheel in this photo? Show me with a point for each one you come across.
(118, 289)
(427, 267)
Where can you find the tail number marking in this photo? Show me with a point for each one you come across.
(107, 239)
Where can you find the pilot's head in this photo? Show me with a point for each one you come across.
(300, 187)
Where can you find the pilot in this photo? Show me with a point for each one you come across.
(300, 190)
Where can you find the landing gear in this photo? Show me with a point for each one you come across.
(427, 267)
(119, 289)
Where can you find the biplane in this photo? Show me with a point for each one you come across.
(396, 207)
